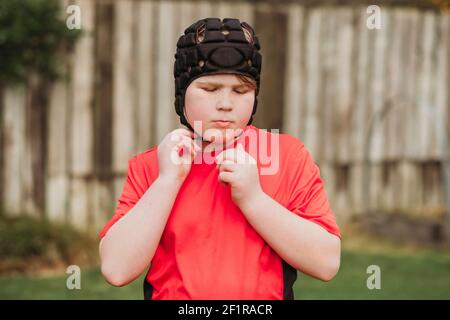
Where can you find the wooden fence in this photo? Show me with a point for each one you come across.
(371, 105)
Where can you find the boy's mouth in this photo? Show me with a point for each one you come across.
(222, 123)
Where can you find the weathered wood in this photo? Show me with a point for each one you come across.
(103, 202)
(343, 95)
(82, 82)
(410, 81)
(271, 26)
(356, 190)
(327, 79)
(329, 123)
(36, 142)
(2, 148)
(360, 115)
(292, 111)
(424, 90)
(224, 9)
(14, 149)
(204, 9)
(79, 207)
(103, 96)
(144, 72)
(167, 36)
(81, 116)
(57, 182)
(312, 80)
(441, 85)
(124, 105)
(379, 103)
(244, 12)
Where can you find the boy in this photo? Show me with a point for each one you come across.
(220, 229)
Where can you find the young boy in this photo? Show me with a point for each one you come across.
(221, 229)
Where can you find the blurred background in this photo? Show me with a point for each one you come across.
(365, 88)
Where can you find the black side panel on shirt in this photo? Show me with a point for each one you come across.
(148, 290)
(289, 277)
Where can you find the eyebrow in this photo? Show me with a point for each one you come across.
(220, 85)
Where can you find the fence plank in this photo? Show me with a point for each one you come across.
(224, 10)
(328, 127)
(244, 11)
(344, 83)
(144, 71)
(81, 126)
(441, 85)
(204, 9)
(124, 99)
(312, 80)
(81, 133)
(294, 76)
(166, 118)
(57, 182)
(377, 83)
(14, 149)
(360, 116)
(410, 82)
(424, 92)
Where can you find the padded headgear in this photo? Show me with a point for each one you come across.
(223, 48)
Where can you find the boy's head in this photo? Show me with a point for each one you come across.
(217, 74)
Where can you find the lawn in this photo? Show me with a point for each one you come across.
(419, 275)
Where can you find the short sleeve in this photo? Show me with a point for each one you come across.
(308, 197)
(134, 187)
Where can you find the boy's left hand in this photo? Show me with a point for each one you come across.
(240, 170)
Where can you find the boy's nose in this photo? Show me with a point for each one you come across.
(224, 103)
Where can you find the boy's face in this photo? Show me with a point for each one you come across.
(212, 98)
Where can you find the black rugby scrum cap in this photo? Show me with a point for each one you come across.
(214, 46)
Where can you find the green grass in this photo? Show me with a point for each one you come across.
(422, 275)
(419, 276)
(93, 286)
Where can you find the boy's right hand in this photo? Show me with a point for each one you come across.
(176, 153)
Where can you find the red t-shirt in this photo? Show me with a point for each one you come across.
(208, 250)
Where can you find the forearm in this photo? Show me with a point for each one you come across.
(130, 244)
(303, 244)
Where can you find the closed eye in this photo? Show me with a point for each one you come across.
(210, 89)
(239, 91)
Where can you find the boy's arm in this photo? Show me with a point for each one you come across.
(130, 244)
(303, 244)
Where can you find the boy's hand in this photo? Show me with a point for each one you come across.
(176, 153)
(240, 170)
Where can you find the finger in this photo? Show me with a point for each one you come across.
(183, 131)
(227, 166)
(188, 155)
(185, 148)
(195, 145)
(177, 134)
(226, 177)
(177, 152)
(239, 146)
(228, 154)
(236, 155)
